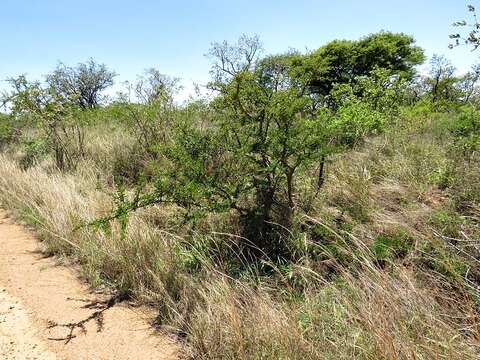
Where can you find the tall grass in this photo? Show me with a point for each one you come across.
(385, 282)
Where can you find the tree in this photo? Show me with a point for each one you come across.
(151, 118)
(247, 158)
(232, 59)
(83, 83)
(381, 91)
(55, 116)
(265, 130)
(341, 61)
(468, 84)
(154, 86)
(442, 80)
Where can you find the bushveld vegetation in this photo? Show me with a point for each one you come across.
(321, 205)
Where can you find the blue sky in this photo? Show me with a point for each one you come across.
(173, 36)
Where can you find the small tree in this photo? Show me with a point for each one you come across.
(265, 131)
(55, 116)
(83, 83)
(468, 84)
(442, 79)
(154, 86)
(150, 120)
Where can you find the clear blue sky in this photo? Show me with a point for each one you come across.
(173, 36)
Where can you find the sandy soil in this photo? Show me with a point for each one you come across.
(47, 313)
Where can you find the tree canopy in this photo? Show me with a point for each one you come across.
(341, 61)
(83, 83)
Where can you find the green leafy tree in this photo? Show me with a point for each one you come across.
(381, 91)
(342, 61)
(264, 131)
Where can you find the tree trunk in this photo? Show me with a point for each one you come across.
(321, 170)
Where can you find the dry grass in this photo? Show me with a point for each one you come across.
(403, 308)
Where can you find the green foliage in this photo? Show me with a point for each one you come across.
(447, 222)
(150, 123)
(442, 83)
(7, 130)
(247, 149)
(355, 120)
(381, 90)
(34, 150)
(422, 109)
(55, 115)
(341, 61)
(391, 246)
(468, 85)
(466, 131)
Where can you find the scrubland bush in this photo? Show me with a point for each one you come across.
(54, 116)
(7, 130)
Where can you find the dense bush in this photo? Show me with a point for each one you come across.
(466, 130)
(58, 120)
(7, 130)
(34, 150)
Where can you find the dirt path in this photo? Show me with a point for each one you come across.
(37, 296)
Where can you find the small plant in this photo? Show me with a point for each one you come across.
(391, 246)
(439, 258)
(448, 223)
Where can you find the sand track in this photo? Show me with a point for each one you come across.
(36, 294)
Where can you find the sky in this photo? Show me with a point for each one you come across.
(174, 36)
